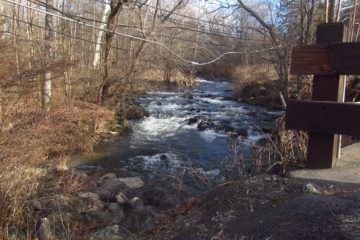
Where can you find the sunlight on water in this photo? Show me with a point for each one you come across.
(160, 127)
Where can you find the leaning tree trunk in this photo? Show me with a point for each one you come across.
(109, 35)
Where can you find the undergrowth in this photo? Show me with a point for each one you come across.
(34, 143)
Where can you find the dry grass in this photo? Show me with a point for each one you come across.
(245, 74)
(283, 149)
(30, 143)
(158, 75)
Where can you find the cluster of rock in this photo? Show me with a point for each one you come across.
(109, 207)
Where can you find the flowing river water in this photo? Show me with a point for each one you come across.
(187, 132)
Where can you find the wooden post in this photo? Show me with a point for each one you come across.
(323, 147)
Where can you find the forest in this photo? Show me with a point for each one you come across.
(72, 74)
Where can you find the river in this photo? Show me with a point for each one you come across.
(187, 133)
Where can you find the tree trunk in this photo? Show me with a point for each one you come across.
(46, 97)
(101, 33)
(109, 35)
(338, 10)
(326, 11)
(332, 11)
(4, 27)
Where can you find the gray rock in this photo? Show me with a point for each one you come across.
(310, 188)
(112, 233)
(160, 198)
(205, 124)
(132, 182)
(137, 203)
(36, 204)
(148, 225)
(121, 198)
(91, 201)
(108, 190)
(194, 120)
(81, 175)
(108, 176)
(103, 217)
(96, 217)
(118, 217)
(141, 220)
(114, 207)
(59, 203)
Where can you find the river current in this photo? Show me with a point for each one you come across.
(189, 132)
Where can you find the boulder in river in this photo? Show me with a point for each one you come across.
(205, 124)
(195, 119)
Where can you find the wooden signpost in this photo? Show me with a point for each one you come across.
(325, 116)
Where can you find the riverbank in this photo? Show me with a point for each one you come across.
(150, 176)
(113, 206)
(35, 146)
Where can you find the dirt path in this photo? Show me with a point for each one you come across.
(266, 207)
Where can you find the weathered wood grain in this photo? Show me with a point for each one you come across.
(327, 86)
(341, 59)
(323, 117)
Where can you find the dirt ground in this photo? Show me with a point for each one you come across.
(269, 207)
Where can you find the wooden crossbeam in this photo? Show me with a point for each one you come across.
(323, 117)
(327, 60)
(330, 59)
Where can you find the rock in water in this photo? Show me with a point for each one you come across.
(132, 182)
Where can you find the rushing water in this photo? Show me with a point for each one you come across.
(188, 130)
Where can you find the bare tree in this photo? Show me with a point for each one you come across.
(105, 14)
(46, 100)
(332, 14)
(280, 47)
(115, 9)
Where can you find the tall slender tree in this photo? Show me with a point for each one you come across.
(48, 36)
